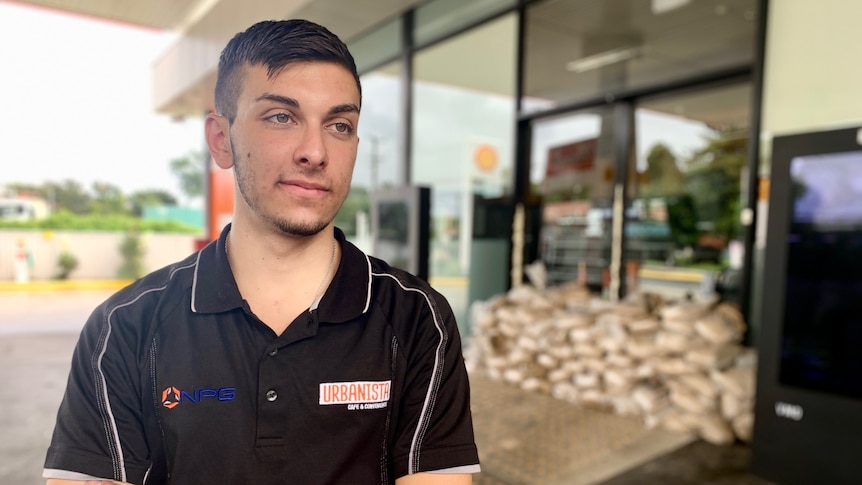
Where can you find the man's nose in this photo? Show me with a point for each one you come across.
(311, 149)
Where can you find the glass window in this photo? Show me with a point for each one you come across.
(463, 137)
(377, 47)
(377, 159)
(686, 190)
(585, 49)
(572, 172)
(439, 18)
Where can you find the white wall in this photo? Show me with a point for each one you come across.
(812, 73)
(98, 253)
(812, 82)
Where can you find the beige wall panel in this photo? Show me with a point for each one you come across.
(98, 252)
(812, 73)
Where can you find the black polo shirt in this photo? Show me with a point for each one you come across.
(174, 380)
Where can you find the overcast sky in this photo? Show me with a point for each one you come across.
(76, 103)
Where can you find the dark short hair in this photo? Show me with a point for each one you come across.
(275, 44)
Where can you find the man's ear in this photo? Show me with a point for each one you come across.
(217, 130)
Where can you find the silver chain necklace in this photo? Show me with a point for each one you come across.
(318, 294)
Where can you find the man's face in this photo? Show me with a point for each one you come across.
(294, 144)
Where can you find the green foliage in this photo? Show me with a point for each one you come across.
(132, 251)
(105, 198)
(663, 175)
(357, 201)
(143, 198)
(714, 182)
(189, 169)
(703, 189)
(682, 219)
(69, 194)
(66, 263)
(65, 220)
(108, 199)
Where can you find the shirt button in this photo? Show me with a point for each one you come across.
(271, 395)
(273, 352)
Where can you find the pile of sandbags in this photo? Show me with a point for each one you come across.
(676, 364)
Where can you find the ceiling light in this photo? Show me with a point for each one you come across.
(659, 7)
(602, 59)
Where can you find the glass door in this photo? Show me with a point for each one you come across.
(573, 174)
(685, 191)
(463, 118)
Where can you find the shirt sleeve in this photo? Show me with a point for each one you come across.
(99, 429)
(434, 430)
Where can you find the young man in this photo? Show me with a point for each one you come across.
(279, 353)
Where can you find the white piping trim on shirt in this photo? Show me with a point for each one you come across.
(67, 475)
(465, 469)
(433, 385)
(194, 282)
(113, 435)
(368, 288)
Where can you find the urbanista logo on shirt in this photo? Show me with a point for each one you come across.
(356, 395)
(172, 396)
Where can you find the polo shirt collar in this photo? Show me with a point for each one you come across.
(349, 294)
(214, 288)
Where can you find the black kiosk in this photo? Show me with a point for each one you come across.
(808, 413)
(401, 227)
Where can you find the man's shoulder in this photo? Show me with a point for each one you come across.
(148, 292)
(390, 275)
(401, 290)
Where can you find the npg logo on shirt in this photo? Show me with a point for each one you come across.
(173, 396)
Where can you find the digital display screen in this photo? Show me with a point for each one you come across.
(821, 347)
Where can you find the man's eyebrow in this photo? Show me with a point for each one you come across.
(344, 108)
(278, 99)
(341, 108)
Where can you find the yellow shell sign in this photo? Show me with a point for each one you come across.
(485, 157)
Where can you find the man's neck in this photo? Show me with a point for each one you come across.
(281, 276)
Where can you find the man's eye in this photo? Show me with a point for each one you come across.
(281, 118)
(342, 128)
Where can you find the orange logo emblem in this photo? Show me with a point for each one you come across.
(170, 397)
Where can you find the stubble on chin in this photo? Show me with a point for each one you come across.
(289, 228)
(282, 224)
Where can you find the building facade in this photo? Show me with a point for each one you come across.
(622, 143)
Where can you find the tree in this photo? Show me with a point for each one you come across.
(132, 251)
(190, 170)
(21, 188)
(357, 201)
(143, 198)
(108, 199)
(104, 198)
(69, 195)
(714, 182)
(663, 175)
(66, 263)
(682, 219)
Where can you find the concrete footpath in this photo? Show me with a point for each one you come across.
(38, 330)
(523, 438)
